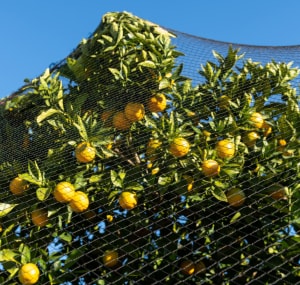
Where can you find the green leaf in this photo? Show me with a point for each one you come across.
(60, 97)
(115, 179)
(115, 72)
(46, 114)
(95, 178)
(235, 217)
(219, 194)
(66, 237)
(73, 256)
(8, 255)
(43, 193)
(134, 186)
(30, 178)
(81, 128)
(6, 208)
(164, 83)
(113, 194)
(25, 253)
(231, 172)
(148, 63)
(220, 184)
(164, 180)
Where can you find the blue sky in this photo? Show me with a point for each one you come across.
(35, 34)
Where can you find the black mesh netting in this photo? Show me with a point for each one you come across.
(150, 156)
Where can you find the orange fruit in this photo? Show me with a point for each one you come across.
(90, 215)
(29, 274)
(109, 146)
(206, 133)
(223, 102)
(109, 218)
(85, 153)
(80, 202)
(105, 115)
(250, 138)
(155, 170)
(127, 200)
(190, 182)
(257, 120)
(179, 147)
(278, 192)
(64, 192)
(134, 111)
(281, 144)
(157, 103)
(26, 141)
(199, 267)
(187, 267)
(235, 197)
(39, 217)
(210, 168)
(18, 186)
(267, 129)
(110, 258)
(225, 148)
(151, 149)
(120, 122)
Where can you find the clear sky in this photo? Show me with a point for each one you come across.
(35, 34)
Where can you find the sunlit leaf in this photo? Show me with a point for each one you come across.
(6, 208)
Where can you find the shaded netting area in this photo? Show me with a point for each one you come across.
(149, 156)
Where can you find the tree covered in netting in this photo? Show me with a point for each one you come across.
(116, 168)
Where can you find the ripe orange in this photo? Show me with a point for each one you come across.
(235, 197)
(134, 111)
(199, 267)
(26, 141)
(18, 186)
(29, 274)
(267, 129)
(225, 148)
(223, 102)
(80, 202)
(278, 192)
(257, 120)
(179, 147)
(206, 133)
(281, 144)
(210, 168)
(85, 153)
(151, 149)
(187, 267)
(39, 217)
(120, 122)
(190, 182)
(90, 215)
(110, 258)
(157, 103)
(127, 200)
(250, 138)
(155, 170)
(109, 218)
(105, 115)
(64, 192)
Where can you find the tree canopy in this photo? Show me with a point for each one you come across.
(116, 168)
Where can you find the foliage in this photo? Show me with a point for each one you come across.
(181, 212)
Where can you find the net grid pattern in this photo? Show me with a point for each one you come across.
(151, 196)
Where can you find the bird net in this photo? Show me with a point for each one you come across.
(149, 156)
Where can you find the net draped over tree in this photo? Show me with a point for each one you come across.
(149, 156)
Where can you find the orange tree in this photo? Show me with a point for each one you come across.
(117, 169)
